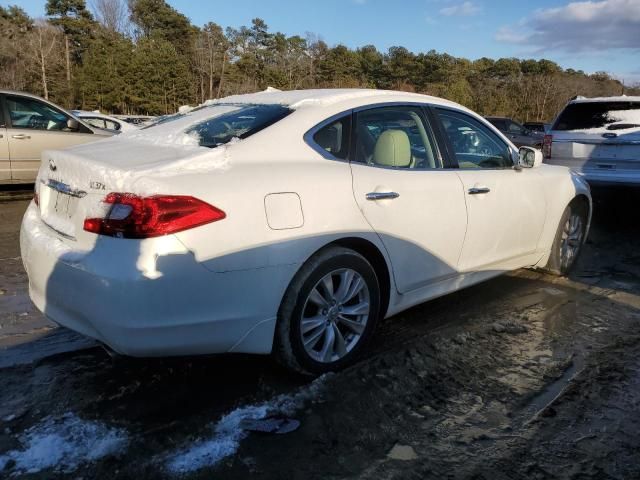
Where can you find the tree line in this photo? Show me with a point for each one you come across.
(143, 56)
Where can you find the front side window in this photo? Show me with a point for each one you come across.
(334, 137)
(95, 122)
(36, 115)
(397, 137)
(515, 128)
(474, 145)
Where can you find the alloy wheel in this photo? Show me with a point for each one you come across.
(571, 240)
(335, 315)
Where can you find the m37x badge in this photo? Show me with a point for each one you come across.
(97, 185)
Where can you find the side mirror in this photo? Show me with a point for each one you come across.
(529, 157)
(73, 125)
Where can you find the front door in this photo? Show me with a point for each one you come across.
(506, 207)
(36, 126)
(414, 205)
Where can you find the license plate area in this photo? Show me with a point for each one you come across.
(58, 207)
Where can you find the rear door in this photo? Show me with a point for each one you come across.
(414, 204)
(506, 207)
(5, 163)
(33, 126)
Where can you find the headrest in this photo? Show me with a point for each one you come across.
(392, 149)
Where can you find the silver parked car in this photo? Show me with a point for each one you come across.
(30, 124)
(598, 138)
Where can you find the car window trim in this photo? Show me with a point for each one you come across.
(4, 113)
(486, 123)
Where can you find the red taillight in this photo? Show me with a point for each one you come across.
(546, 146)
(36, 199)
(132, 216)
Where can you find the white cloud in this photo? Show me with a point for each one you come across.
(579, 26)
(462, 10)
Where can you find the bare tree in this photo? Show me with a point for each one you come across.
(44, 46)
(112, 14)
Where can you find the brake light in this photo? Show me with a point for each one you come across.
(132, 216)
(546, 146)
(36, 199)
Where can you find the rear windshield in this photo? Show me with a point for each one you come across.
(599, 115)
(217, 124)
(240, 123)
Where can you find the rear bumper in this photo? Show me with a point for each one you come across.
(183, 309)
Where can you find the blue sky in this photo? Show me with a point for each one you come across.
(588, 35)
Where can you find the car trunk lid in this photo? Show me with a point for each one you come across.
(73, 183)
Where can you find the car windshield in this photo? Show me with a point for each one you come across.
(599, 115)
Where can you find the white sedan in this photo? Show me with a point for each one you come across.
(106, 122)
(289, 222)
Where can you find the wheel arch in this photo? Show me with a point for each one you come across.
(372, 253)
(580, 197)
(377, 260)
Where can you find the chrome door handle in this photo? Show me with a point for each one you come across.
(21, 136)
(382, 195)
(479, 190)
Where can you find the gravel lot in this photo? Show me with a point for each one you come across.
(525, 376)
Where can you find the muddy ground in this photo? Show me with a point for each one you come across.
(527, 376)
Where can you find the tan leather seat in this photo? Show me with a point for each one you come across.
(392, 149)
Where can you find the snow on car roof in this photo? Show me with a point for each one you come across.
(621, 98)
(322, 97)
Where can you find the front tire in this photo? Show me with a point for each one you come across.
(328, 313)
(569, 239)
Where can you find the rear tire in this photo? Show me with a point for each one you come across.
(569, 239)
(328, 313)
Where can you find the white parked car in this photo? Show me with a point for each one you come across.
(289, 222)
(106, 122)
(598, 138)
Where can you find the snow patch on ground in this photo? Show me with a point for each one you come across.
(227, 432)
(62, 444)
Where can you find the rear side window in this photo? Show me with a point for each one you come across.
(599, 115)
(395, 137)
(334, 137)
(239, 123)
(95, 122)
